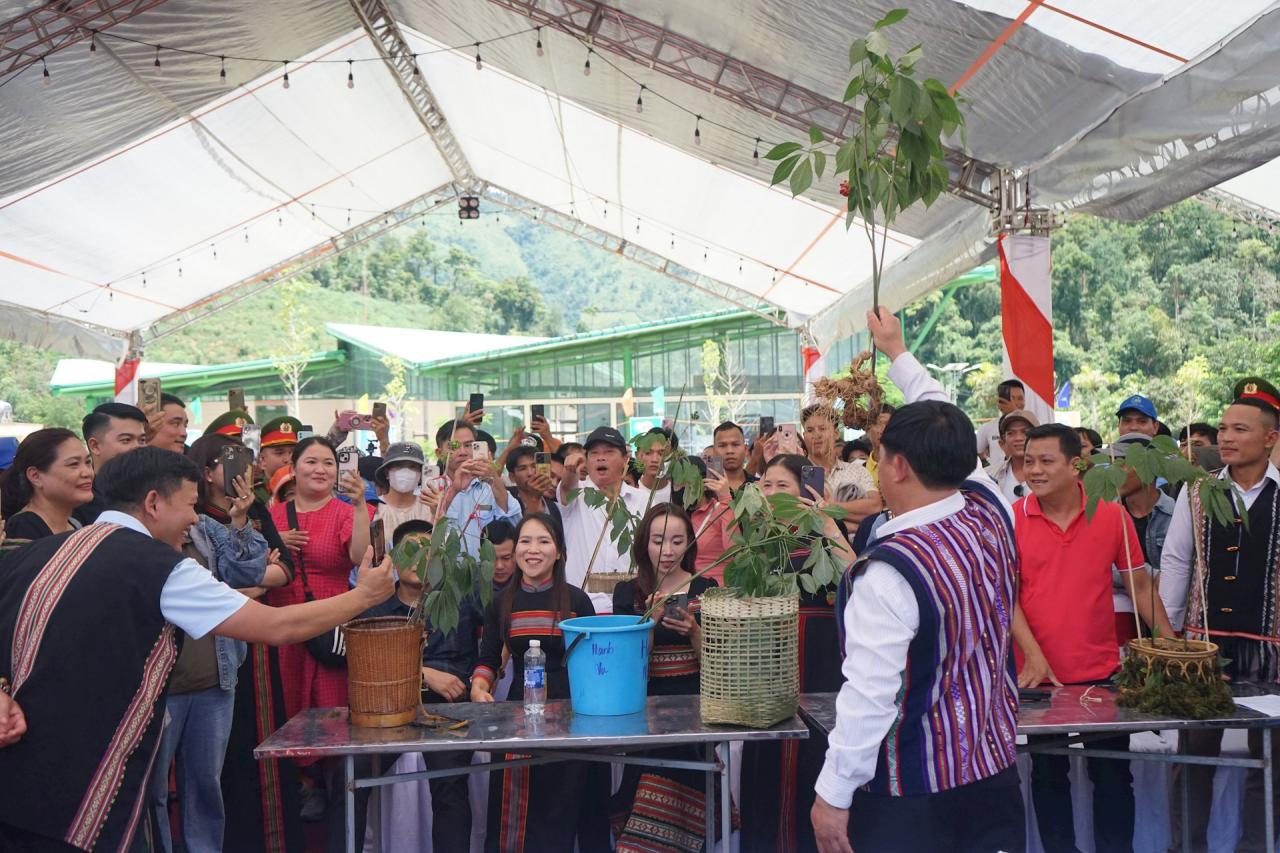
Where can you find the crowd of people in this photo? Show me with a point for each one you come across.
(161, 614)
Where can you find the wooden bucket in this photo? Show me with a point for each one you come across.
(1185, 660)
(384, 671)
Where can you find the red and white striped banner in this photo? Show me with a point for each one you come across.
(127, 380)
(1026, 314)
(815, 367)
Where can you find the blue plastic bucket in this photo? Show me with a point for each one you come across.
(609, 665)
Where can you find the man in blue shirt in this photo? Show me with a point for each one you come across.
(474, 495)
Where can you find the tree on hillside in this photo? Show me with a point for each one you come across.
(723, 381)
(290, 354)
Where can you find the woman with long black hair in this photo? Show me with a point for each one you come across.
(51, 476)
(658, 808)
(549, 806)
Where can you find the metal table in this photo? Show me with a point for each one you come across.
(502, 727)
(1082, 714)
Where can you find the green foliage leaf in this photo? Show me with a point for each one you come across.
(891, 18)
(853, 89)
(902, 99)
(782, 150)
(815, 135)
(802, 177)
(784, 170)
(435, 572)
(877, 45)
(857, 53)
(819, 163)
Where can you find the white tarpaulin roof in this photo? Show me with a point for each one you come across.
(131, 195)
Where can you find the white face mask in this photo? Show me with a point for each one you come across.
(403, 480)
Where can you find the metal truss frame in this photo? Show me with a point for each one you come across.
(625, 249)
(381, 26)
(297, 264)
(30, 37)
(1240, 209)
(722, 75)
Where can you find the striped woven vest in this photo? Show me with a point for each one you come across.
(958, 704)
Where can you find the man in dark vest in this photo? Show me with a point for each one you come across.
(922, 754)
(89, 624)
(1239, 563)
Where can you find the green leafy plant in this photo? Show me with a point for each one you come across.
(448, 574)
(1160, 459)
(895, 157)
(768, 530)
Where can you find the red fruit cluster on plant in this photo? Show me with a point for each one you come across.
(844, 188)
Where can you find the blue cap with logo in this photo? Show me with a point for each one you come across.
(1140, 404)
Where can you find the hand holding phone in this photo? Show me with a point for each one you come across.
(812, 477)
(235, 460)
(235, 400)
(149, 396)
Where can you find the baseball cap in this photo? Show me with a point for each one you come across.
(1140, 404)
(606, 435)
(1018, 415)
(1124, 442)
(401, 451)
(8, 450)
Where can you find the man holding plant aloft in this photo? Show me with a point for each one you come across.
(1237, 565)
(922, 753)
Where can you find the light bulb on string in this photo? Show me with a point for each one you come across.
(673, 239)
(179, 267)
(739, 266)
(416, 72)
(640, 99)
(351, 75)
(697, 131)
(93, 41)
(539, 31)
(45, 73)
(286, 74)
(313, 211)
(586, 66)
(157, 62)
(280, 217)
(348, 217)
(755, 154)
(223, 72)
(144, 278)
(479, 61)
(246, 233)
(704, 253)
(213, 247)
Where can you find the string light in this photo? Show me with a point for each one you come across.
(93, 41)
(179, 267)
(755, 154)
(637, 224)
(640, 99)
(739, 265)
(673, 239)
(246, 233)
(213, 248)
(223, 73)
(479, 61)
(704, 253)
(697, 131)
(286, 74)
(416, 73)
(313, 211)
(539, 31)
(351, 75)
(144, 278)
(586, 66)
(157, 62)
(348, 217)
(45, 77)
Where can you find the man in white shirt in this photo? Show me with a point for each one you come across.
(1240, 574)
(1011, 396)
(114, 592)
(1008, 474)
(586, 529)
(922, 753)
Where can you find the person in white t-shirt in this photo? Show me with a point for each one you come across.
(1010, 397)
(586, 531)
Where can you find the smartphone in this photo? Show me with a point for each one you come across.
(479, 450)
(306, 432)
(790, 437)
(235, 400)
(476, 403)
(433, 481)
(348, 460)
(538, 410)
(378, 539)
(235, 459)
(766, 425)
(814, 476)
(379, 410)
(542, 463)
(674, 604)
(149, 396)
(251, 437)
(715, 465)
(351, 421)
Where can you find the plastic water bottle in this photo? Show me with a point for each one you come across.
(535, 678)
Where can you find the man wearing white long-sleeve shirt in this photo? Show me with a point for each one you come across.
(1240, 573)
(922, 753)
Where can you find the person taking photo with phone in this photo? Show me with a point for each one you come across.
(731, 446)
(850, 484)
(475, 494)
(534, 488)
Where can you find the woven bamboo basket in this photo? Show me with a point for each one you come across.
(384, 671)
(1184, 660)
(606, 581)
(750, 658)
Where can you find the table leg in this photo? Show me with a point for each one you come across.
(1184, 793)
(349, 800)
(710, 801)
(374, 798)
(726, 799)
(1268, 808)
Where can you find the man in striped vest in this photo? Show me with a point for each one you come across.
(922, 754)
(89, 624)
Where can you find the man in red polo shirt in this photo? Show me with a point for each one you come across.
(1064, 624)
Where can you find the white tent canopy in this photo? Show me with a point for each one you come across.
(134, 197)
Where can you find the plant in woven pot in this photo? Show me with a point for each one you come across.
(384, 655)
(1169, 675)
(750, 627)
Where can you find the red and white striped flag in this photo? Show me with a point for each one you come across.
(127, 380)
(815, 367)
(1026, 315)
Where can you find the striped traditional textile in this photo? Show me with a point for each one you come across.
(957, 709)
(669, 661)
(535, 623)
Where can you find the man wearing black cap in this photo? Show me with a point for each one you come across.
(1008, 475)
(606, 455)
(1227, 588)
